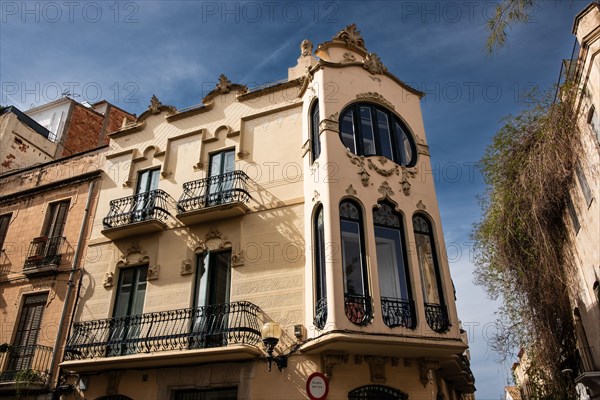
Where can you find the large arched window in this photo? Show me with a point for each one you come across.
(356, 287)
(435, 307)
(392, 264)
(319, 262)
(376, 392)
(315, 142)
(368, 130)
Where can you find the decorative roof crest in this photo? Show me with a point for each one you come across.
(155, 105)
(351, 36)
(224, 85)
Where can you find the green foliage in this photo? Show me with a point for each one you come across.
(508, 12)
(523, 243)
(25, 378)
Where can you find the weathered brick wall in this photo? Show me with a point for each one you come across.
(83, 131)
(114, 121)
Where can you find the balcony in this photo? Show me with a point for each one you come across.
(141, 213)
(588, 372)
(43, 256)
(177, 337)
(457, 371)
(24, 367)
(358, 309)
(216, 197)
(398, 312)
(437, 317)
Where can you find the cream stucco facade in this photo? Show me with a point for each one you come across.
(238, 201)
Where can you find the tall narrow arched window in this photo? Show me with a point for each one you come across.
(436, 313)
(319, 263)
(315, 142)
(356, 286)
(392, 265)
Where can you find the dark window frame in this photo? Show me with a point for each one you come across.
(573, 214)
(398, 152)
(319, 262)
(583, 183)
(357, 313)
(315, 139)
(4, 225)
(397, 302)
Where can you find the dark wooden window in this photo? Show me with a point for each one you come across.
(28, 329)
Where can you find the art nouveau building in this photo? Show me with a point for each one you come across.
(300, 211)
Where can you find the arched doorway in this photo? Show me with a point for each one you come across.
(376, 392)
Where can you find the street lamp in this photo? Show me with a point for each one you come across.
(270, 333)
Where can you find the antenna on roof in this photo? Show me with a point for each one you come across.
(66, 93)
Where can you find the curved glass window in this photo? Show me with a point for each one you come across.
(376, 392)
(368, 130)
(356, 288)
(320, 280)
(392, 264)
(435, 308)
(315, 143)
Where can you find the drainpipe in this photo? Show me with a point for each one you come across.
(70, 284)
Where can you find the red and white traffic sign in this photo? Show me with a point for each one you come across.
(317, 386)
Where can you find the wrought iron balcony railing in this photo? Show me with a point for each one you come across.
(398, 312)
(437, 317)
(584, 357)
(216, 325)
(25, 364)
(321, 313)
(359, 309)
(227, 188)
(145, 206)
(43, 251)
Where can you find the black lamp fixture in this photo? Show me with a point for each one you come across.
(270, 333)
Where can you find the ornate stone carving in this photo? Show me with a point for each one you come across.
(386, 190)
(351, 36)
(348, 58)
(155, 105)
(330, 360)
(153, 272)
(376, 97)
(425, 370)
(315, 196)
(383, 172)
(350, 190)
(237, 258)
(329, 124)
(421, 205)
(406, 174)
(224, 84)
(35, 287)
(360, 162)
(422, 148)
(133, 255)
(335, 116)
(186, 267)
(213, 240)
(108, 280)
(377, 368)
(373, 64)
(306, 48)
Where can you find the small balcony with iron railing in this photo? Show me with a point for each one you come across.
(215, 197)
(44, 255)
(212, 333)
(398, 312)
(436, 316)
(588, 372)
(142, 213)
(24, 368)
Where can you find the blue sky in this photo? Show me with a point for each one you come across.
(125, 52)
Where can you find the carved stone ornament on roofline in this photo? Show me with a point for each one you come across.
(348, 58)
(373, 64)
(155, 104)
(375, 97)
(224, 84)
(306, 48)
(351, 36)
